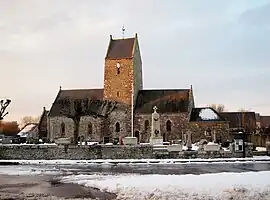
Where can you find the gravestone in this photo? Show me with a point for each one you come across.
(189, 141)
(156, 137)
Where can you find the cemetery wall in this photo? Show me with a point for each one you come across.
(37, 152)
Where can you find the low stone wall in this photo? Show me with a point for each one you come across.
(37, 152)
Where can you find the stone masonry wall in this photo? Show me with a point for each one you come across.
(118, 86)
(55, 127)
(37, 152)
(179, 122)
(199, 129)
(73, 152)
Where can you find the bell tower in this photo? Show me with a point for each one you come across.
(123, 70)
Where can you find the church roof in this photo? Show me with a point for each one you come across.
(167, 101)
(236, 120)
(265, 121)
(206, 114)
(79, 94)
(120, 48)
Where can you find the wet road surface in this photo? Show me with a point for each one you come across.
(165, 169)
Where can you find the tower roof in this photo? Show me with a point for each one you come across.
(120, 48)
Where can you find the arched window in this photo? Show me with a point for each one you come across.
(63, 129)
(117, 127)
(90, 128)
(146, 125)
(168, 125)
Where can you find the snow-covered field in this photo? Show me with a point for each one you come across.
(223, 186)
(215, 186)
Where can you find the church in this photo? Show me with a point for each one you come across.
(123, 83)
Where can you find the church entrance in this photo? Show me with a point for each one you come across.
(137, 135)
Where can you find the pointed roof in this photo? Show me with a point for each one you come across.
(167, 101)
(75, 94)
(121, 48)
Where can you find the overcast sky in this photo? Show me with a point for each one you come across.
(220, 47)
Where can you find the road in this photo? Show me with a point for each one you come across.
(178, 169)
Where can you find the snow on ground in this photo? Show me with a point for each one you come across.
(261, 149)
(28, 170)
(141, 161)
(248, 185)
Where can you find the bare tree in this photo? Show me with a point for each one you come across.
(218, 107)
(29, 119)
(3, 106)
(75, 109)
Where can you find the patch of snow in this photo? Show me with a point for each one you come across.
(207, 114)
(206, 186)
(26, 130)
(226, 149)
(195, 147)
(261, 149)
(88, 143)
(28, 170)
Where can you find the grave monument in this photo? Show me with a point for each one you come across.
(156, 137)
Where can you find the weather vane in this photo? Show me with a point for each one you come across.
(123, 31)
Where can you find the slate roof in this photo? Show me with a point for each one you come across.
(213, 115)
(167, 101)
(120, 48)
(235, 120)
(80, 94)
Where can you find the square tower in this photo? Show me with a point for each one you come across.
(123, 70)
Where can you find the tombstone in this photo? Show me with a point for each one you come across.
(189, 141)
(156, 137)
(214, 136)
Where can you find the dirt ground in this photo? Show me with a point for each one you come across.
(45, 188)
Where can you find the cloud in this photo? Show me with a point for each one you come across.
(210, 44)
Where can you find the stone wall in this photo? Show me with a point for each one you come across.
(55, 128)
(37, 152)
(200, 130)
(74, 153)
(118, 86)
(179, 122)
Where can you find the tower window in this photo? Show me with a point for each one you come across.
(118, 94)
(117, 127)
(168, 125)
(118, 68)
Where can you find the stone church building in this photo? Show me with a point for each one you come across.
(123, 83)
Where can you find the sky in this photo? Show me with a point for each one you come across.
(221, 48)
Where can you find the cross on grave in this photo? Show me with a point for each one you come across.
(155, 109)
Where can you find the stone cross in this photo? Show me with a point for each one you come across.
(155, 109)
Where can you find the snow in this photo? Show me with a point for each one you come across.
(208, 114)
(24, 132)
(195, 147)
(141, 161)
(205, 186)
(28, 170)
(261, 149)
